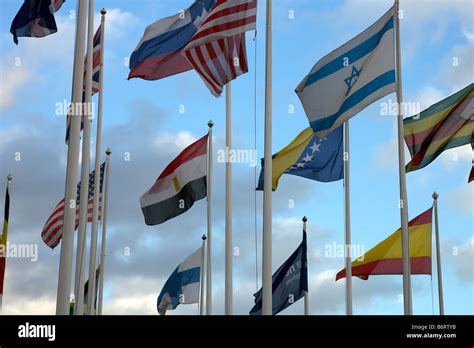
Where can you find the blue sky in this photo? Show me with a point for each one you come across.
(142, 121)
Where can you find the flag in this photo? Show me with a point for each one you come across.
(309, 157)
(183, 182)
(53, 228)
(289, 282)
(351, 77)
(183, 284)
(444, 125)
(86, 294)
(96, 52)
(217, 51)
(386, 257)
(35, 19)
(471, 175)
(158, 54)
(3, 240)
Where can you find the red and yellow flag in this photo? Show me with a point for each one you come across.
(386, 257)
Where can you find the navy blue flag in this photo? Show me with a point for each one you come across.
(35, 19)
(309, 157)
(289, 282)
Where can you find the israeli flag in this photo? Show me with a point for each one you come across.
(183, 284)
(351, 77)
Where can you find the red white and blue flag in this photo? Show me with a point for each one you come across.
(96, 52)
(158, 54)
(217, 51)
(35, 19)
(53, 228)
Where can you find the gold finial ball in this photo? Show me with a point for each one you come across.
(103, 12)
(305, 219)
(210, 123)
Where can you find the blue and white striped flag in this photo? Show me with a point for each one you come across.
(183, 284)
(351, 77)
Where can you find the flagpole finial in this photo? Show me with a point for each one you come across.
(435, 195)
(203, 237)
(305, 219)
(210, 123)
(103, 12)
(108, 151)
(9, 177)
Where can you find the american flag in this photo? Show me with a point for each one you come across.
(97, 46)
(217, 51)
(53, 228)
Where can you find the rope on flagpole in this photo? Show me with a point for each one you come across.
(255, 169)
(432, 296)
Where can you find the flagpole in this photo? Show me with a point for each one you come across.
(201, 292)
(67, 243)
(228, 204)
(209, 223)
(347, 216)
(438, 255)
(98, 146)
(4, 237)
(104, 232)
(306, 296)
(85, 168)
(407, 301)
(267, 192)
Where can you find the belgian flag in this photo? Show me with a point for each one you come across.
(3, 240)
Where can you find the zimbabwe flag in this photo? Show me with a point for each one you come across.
(444, 125)
(386, 257)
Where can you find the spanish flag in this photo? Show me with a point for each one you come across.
(444, 125)
(386, 257)
(3, 241)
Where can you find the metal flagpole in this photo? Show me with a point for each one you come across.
(5, 230)
(209, 223)
(306, 297)
(95, 209)
(86, 151)
(347, 224)
(438, 255)
(67, 243)
(403, 184)
(104, 232)
(267, 192)
(201, 292)
(228, 204)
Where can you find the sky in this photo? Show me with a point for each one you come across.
(147, 123)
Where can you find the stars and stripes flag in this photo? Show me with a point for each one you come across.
(96, 52)
(217, 51)
(53, 228)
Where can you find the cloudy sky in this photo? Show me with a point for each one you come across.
(145, 127)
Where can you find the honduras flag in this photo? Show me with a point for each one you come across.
(289, 282)
(159, 52)
(309, 157)
(183, 284)
(351, 77)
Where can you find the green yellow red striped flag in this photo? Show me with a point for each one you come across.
(444, 125)
(386, 257)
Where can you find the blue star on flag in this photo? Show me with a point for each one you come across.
(351, 80)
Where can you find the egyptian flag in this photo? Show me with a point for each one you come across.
(35, 19)
(386, 257)
(183, 182)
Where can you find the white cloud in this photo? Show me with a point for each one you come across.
(168, 142)
(12, 80)
(461, 199)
